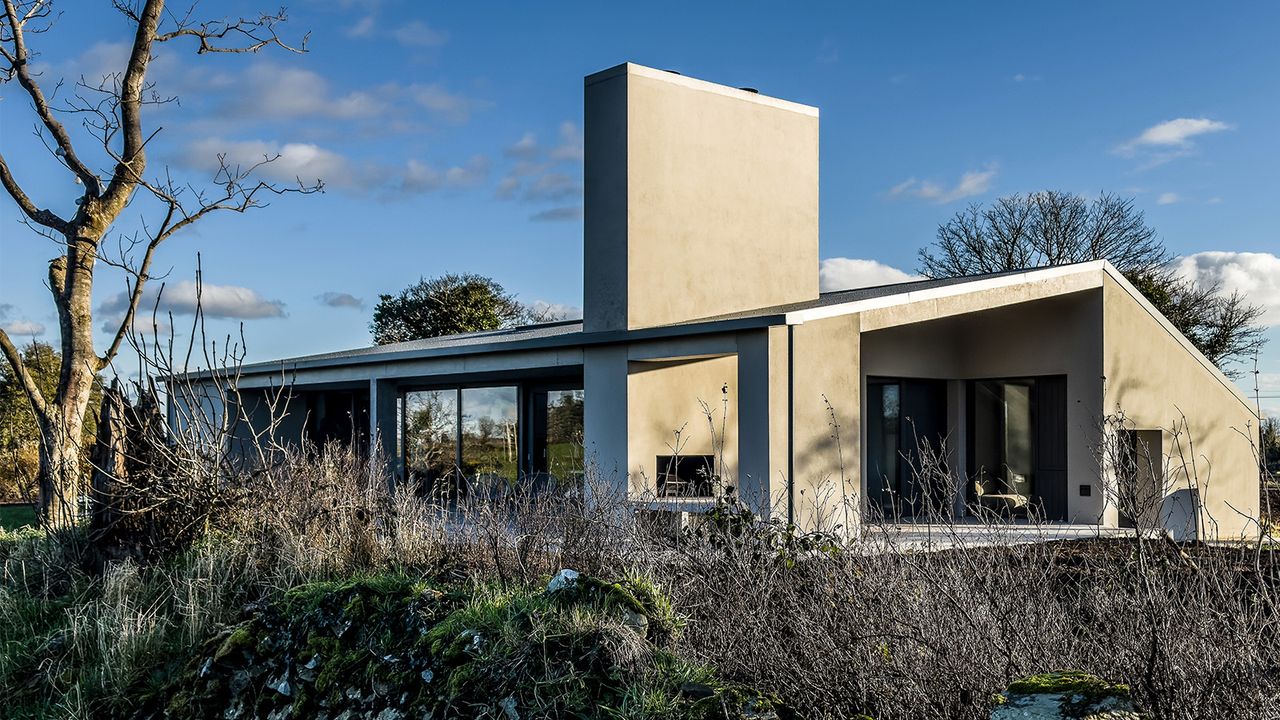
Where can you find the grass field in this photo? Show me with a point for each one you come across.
(15, 516)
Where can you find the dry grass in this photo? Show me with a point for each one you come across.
(833, 627)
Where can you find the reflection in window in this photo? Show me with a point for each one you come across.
(883, 444)
(564, 448)
(1002, 444)
(430, 436)
(489, 452)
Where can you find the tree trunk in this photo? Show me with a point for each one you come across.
(110, 452)
(60, 475)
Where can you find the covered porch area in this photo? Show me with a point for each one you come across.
(985, 415)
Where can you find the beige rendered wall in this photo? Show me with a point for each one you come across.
(662, 397)
(701, 200)
(1157, 381)
(1051, 336)
(825, 474)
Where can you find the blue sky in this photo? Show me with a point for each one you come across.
(449, 136)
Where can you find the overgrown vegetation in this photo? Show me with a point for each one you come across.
(358, 600)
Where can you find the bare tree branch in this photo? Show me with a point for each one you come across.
(44, 217)
(14, 356)
(19, 68)
(259, 33)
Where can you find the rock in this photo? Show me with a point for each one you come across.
(697, 691)
(281, 685)
(1065, 695)
(564, 579)
(636, 621)
(307, 673)
(390, 714)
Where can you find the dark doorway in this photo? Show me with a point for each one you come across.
(339, 417)
(1140, 474)
(1018, 446)
(906, 417)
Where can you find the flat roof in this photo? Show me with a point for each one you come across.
(570, 333)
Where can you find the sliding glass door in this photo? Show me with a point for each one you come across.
(431, 440)
(906, 425)
(488, 431)
(1017, 446)
(459, 439)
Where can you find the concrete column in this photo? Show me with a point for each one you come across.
(605, 415)
(763, 427)
(958, 440)
(383, 425)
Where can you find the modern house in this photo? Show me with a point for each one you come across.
(708, 357)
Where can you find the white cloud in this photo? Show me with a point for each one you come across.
(449, 105)
(1268, 386)
(556, 311)
(559, 214)
(418, 34)
(553, 187)
(571, 147)
(419, 177)
(974, 182)
(1178, 132)
(306, 161)
(18, 327)
(363, 27)
(1255, 275)
(24, 328)
(543, 174)
(1168, 198)
(180, 298)
(848, 273)
(526, 148)
(340, 300)
(1170, 139)
(507, 188)
(1019, 77)
(310, 162)
(473, 173)
(274, 92)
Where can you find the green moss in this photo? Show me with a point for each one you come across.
(1075, 682)
(425, 649)
(240, 639)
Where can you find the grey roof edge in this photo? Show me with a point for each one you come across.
(563, 340)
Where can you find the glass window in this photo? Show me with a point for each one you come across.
(489, 451)
(430, 435)
(884, 403)
(564, 448)
(1003, 435)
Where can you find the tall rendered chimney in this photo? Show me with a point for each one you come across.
(701, 200)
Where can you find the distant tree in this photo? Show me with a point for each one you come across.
(1270, 446)
(19, 427)
(448, 305)
(1049, 228)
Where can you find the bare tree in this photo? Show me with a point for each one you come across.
(1048, 228)
(111, 114)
